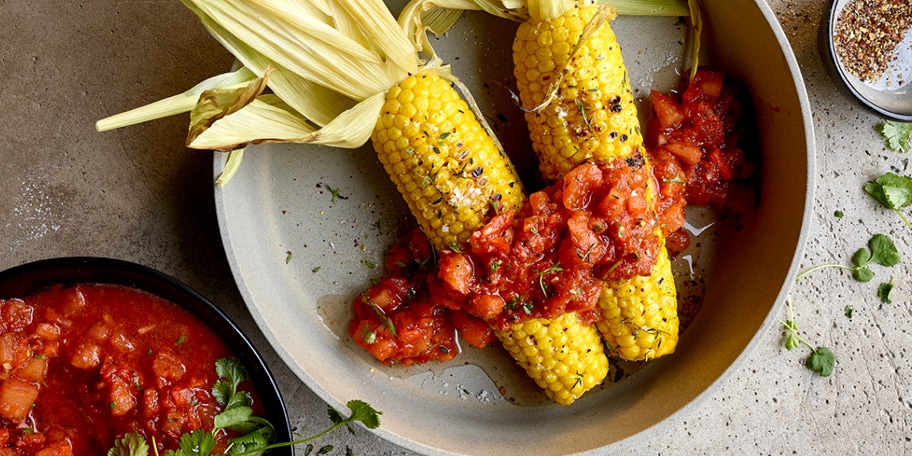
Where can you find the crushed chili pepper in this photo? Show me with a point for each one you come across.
(867, 33)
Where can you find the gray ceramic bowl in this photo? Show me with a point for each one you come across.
(891, 95)
(32, 277)
(300, 256)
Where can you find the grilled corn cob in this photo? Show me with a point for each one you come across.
(639, 316)
(580, 108)
(441, 159)
(563, 356)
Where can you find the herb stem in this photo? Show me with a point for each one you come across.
(822, 266)
(903, 217)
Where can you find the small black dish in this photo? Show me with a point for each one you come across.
(33, 277)
(891, 95)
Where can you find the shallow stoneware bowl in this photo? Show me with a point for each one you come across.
(303, 227)
(32, 277)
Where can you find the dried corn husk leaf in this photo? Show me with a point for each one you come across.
(269, 119)
(217, 103)
(175, 104)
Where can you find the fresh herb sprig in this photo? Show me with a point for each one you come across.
(821, 360)
(257, 433)
(361, 412)
(881, 250)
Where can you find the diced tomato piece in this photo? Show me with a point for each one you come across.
(667, 110)
(486, 306)
(34, 370)
(579, 184)
(457, 271)
(687, 152)
(14, 351)
(86, 356)
(56, 449)
(17, 315)
(16, 399)
(48, 331)
(167, 365)
(472, 329)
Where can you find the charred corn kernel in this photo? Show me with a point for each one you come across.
(443, 162)
(592, 117)
(563, 356)
(640, 316)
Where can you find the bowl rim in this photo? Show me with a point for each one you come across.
(31, 277)
(827, 49)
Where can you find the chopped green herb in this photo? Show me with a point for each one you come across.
(495, 265)
(180, 339)
(315, 270)
(370, 264)
(334, 193)
(288, 257)
(849, 311)
(838, 214)
(883, 291)
(541, 277)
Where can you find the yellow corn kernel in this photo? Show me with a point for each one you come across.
(565, 357)
(640, 316)
(443, 162)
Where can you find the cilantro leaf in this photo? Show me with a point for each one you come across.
(221, 391)
(130, 445)
(896, 135)
(821, 360)
(231, 370)
(883, 250)
(233, 417)
(863, 274)
(198, 442)
(892, 191)
(883, 291)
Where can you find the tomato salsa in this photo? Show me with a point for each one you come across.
(85, 364)
(546, 259)
(696, 141)
(551, 257)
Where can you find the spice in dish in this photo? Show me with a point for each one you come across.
(867, 34)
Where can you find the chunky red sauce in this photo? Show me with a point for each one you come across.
(551, 256)
(547, 259)
(694, 140)
(85, 364)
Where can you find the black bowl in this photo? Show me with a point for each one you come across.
(32, 277)
(893, 102)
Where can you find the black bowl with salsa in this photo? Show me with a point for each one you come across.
(92, 349)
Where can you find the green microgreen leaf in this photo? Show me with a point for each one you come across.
(822, 361)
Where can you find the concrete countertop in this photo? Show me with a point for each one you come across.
(138, 195)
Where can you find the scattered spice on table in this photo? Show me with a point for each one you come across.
(867, 33)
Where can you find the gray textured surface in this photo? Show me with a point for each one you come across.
(138, 195)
